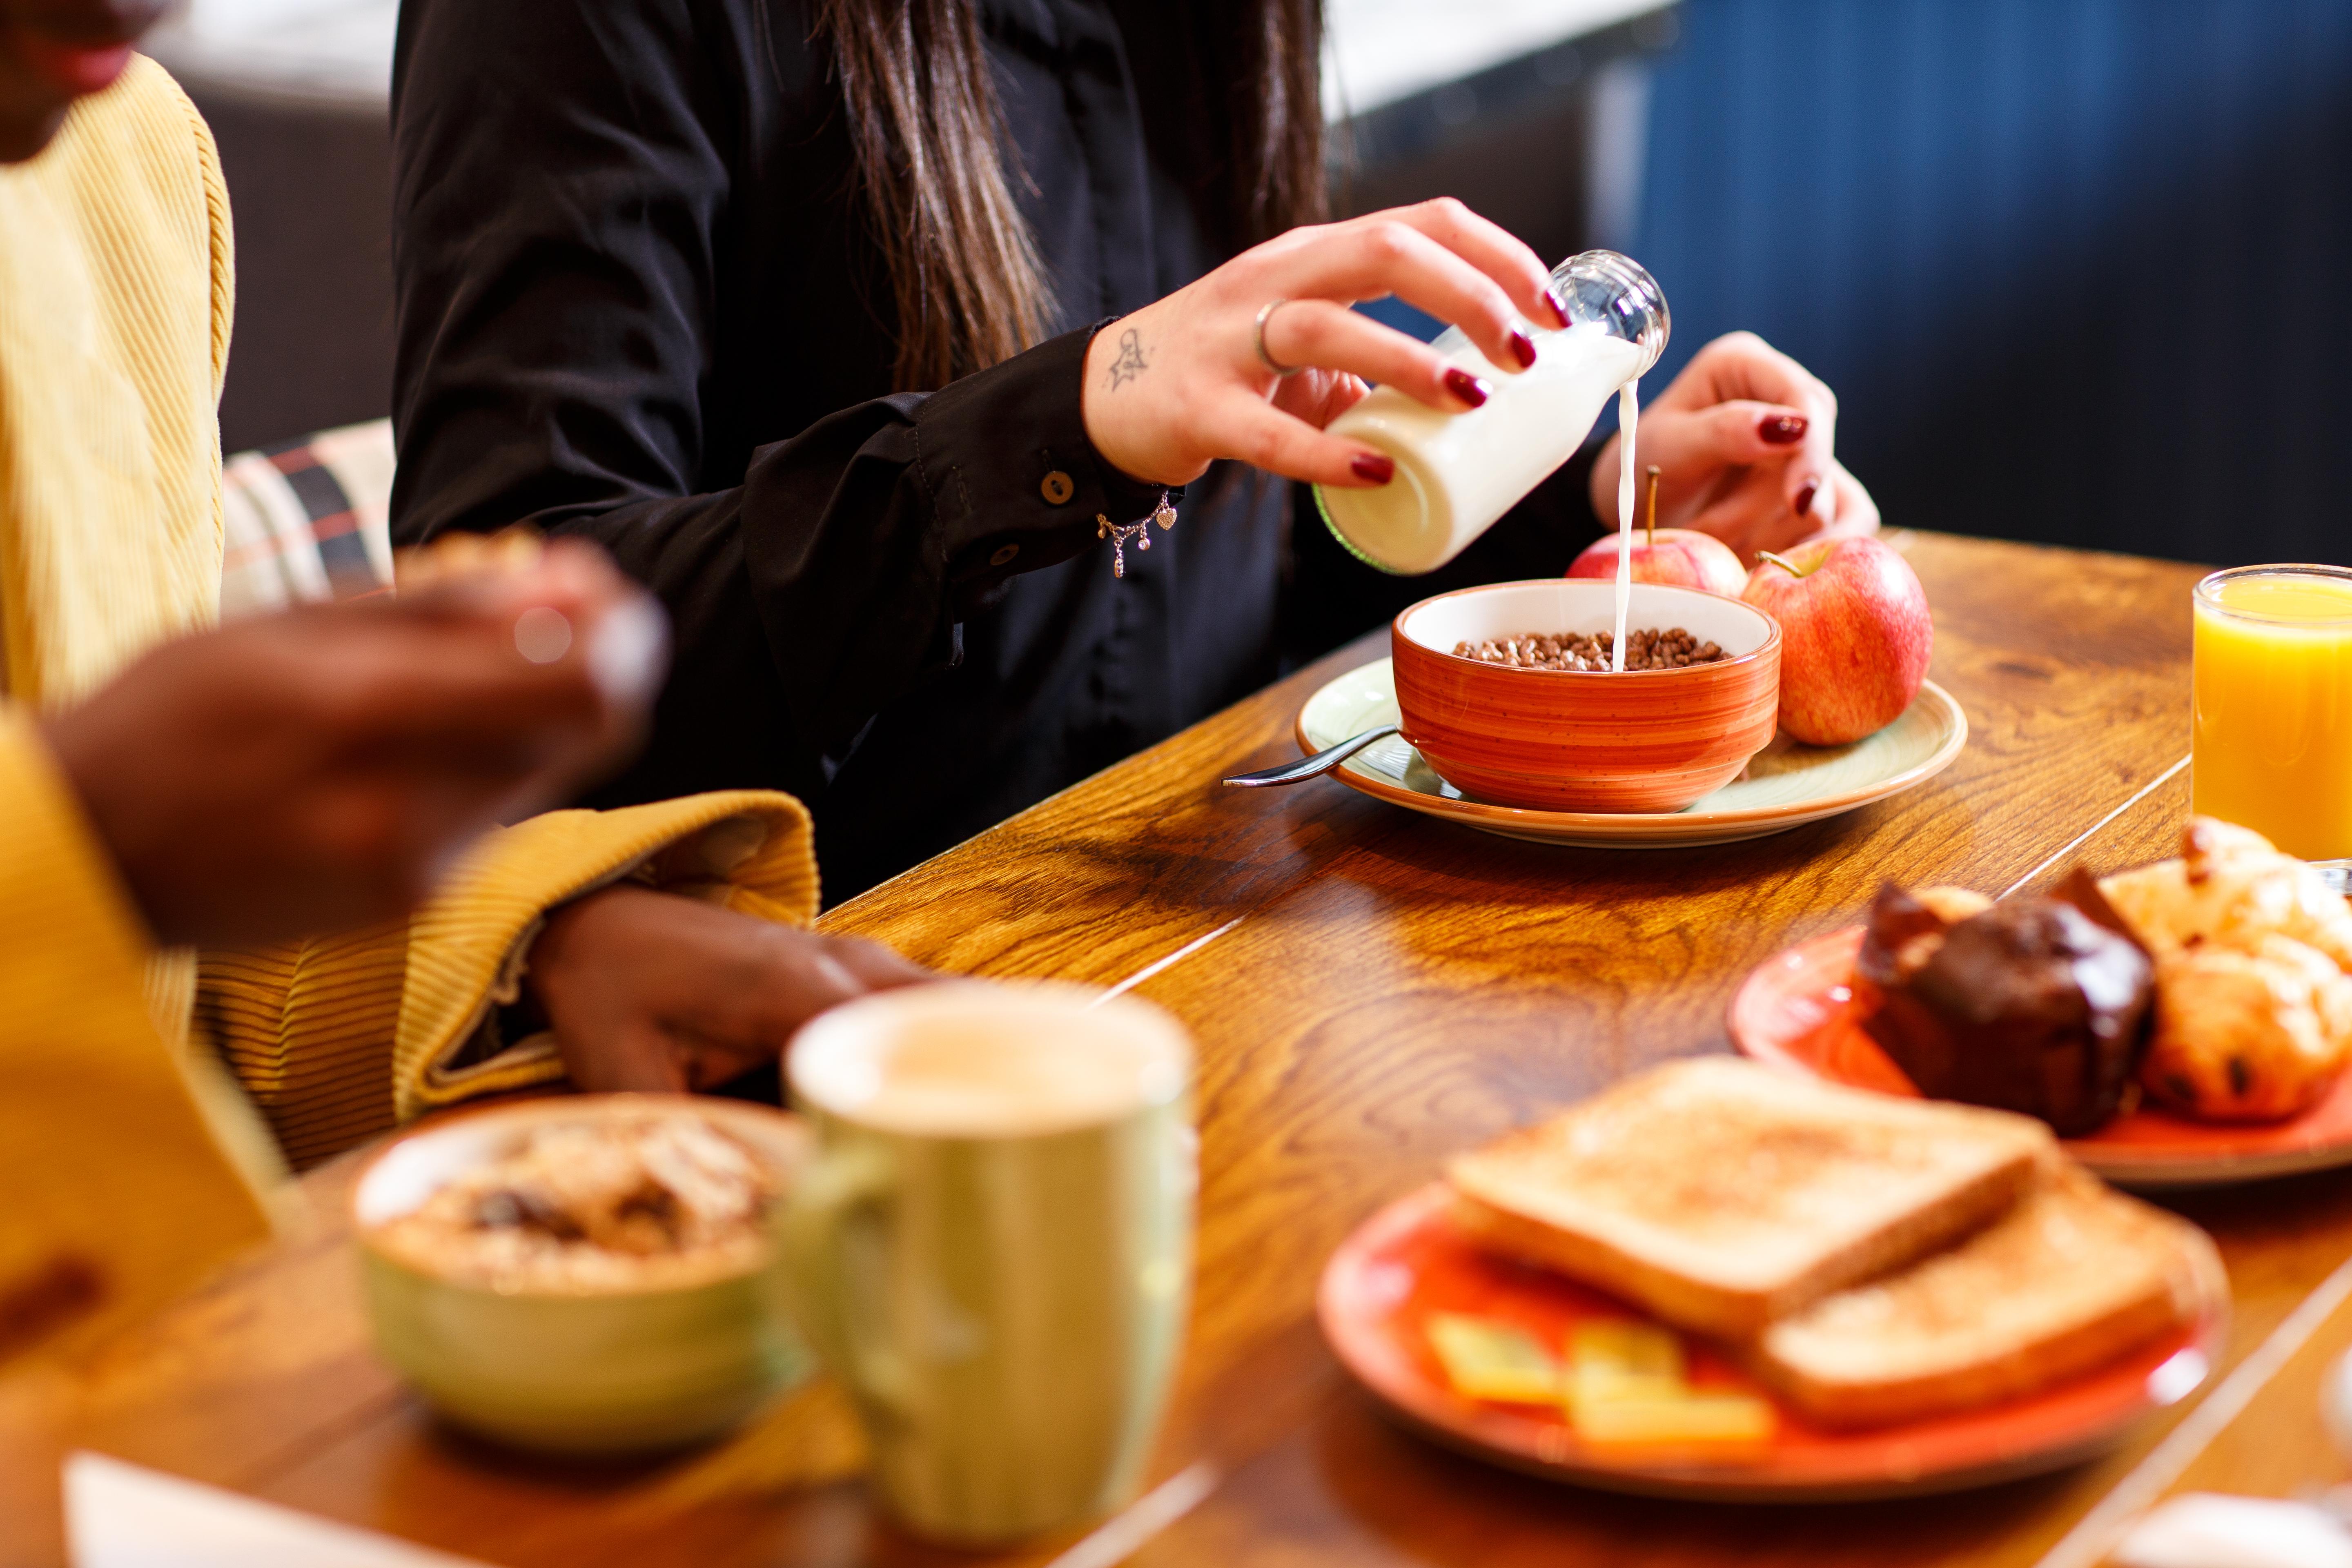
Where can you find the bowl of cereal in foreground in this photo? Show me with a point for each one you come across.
(1509, 692)
(591, 1275)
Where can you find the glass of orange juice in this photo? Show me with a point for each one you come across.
(2272, 750)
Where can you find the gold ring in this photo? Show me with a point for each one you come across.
(1285, 371)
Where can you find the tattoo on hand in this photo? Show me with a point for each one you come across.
(1130, 362)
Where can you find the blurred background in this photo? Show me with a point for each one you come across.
(2079, 270)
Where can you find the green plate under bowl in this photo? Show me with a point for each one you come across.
(1784, 786)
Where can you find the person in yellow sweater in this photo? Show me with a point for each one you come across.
(163, 786)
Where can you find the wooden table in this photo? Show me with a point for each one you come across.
(1371, 991)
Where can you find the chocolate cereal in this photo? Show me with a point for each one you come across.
(1646, 650)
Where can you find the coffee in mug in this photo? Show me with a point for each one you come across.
(993, 1248)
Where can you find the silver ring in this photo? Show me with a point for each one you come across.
(1285, 371)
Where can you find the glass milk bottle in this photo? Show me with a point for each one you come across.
(1456, 473)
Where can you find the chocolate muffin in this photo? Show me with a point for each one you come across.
(2040, 1004)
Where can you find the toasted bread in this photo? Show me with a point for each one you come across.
(2072, 1277)
(1721, 1194)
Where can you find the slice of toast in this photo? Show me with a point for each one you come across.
(2072, 1277)
(1721, 1194)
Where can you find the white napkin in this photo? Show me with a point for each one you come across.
(2206, 1529)
(121, 1516)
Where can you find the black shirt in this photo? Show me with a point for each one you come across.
(638, 302)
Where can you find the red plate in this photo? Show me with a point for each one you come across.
(1796, 1010)
(1409, 1261)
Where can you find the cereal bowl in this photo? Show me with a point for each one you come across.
(600, 1363)
(1645, 740)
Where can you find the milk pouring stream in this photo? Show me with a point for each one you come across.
(1629, 410)
(1456, 473)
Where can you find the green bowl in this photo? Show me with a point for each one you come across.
(600, 1373)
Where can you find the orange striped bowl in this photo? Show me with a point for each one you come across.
(1571, 741)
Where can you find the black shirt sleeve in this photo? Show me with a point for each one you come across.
(567, 178)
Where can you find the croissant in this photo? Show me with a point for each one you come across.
(2228, 885)
(2253, 1010)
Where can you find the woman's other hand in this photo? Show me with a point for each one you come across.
(318, 770)
(654, 991)
(1744, 440)
(1180, 383)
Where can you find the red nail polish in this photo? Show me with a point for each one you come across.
(1523, 348)
(1782, 429)
(1468, 387)
(1805, 497)
(1551, 298)
(1372, 468)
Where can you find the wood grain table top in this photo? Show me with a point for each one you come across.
(1371, 991)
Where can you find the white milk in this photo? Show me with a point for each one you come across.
(1456, 473)
(1629, 411)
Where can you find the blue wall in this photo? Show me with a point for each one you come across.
(2079, 270)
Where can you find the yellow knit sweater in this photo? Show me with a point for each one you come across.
(116, 286)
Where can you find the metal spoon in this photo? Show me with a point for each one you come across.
(1315, 766)
(2338, 872)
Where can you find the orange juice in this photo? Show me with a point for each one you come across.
(2273, 705)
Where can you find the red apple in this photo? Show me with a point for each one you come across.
(1855, 636)
(1681, 556)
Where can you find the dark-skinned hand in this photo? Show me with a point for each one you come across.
(318, 770)
(646, 990)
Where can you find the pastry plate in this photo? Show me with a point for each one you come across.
(1796, 1010)
(1787, 785)
(1409, 1261)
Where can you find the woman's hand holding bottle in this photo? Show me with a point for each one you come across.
(1743, 437)
(1181, 383)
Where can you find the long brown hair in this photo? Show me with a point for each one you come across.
(1240, 119)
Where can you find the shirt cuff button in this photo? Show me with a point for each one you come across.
(1004, 554)
(1057, 490)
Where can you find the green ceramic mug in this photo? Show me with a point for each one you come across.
(993, 1245)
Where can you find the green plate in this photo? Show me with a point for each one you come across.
(1784, 786)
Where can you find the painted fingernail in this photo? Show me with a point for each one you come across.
(1523, 348)
(1558, 311)
(1373, 468)
(1782, 429)
(1466, 387)
(1805, 497)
